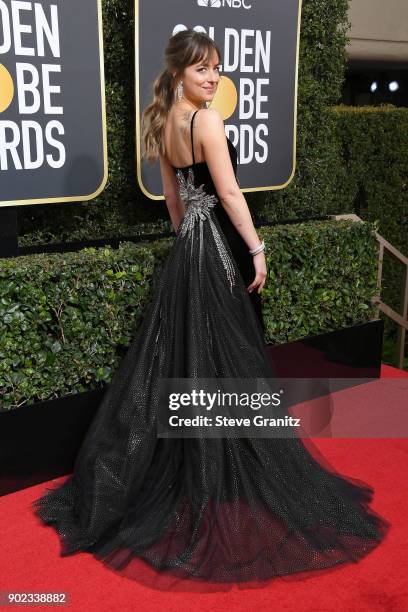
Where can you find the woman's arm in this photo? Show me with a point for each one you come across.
(210, 131)
(174, 204)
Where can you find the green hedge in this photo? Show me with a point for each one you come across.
(66, 319)
(374, 145)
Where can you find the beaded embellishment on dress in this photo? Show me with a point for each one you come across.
(198, 206)
(197, 202)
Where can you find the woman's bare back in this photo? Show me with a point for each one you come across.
(177, 140)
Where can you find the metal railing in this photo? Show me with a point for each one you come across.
(399, 319)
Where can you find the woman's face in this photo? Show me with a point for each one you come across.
(200, 80)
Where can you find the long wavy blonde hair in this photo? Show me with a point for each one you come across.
(185, 48)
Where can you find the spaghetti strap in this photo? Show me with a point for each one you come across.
(191, 132)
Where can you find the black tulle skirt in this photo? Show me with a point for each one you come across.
(229, 510)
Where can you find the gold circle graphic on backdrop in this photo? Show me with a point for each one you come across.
(226, 97)
(6, 88)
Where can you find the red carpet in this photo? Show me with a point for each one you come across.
(30, 562)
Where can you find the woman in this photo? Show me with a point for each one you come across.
(212, 156)
(226, 510)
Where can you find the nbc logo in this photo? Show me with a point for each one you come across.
(216, 3)
(229, 3)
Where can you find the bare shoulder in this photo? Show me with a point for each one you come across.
(210, 117)
(210, 123)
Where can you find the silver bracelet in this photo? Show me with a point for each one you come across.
(258, 249)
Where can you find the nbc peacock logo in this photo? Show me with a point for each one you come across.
(225, 3)
(215, 3)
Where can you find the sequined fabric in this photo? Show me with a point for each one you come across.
(217, 510)
(198, 205)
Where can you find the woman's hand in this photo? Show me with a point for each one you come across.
(260, 272)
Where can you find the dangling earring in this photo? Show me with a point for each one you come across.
(179, 91)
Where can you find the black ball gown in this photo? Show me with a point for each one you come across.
(229, 510)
